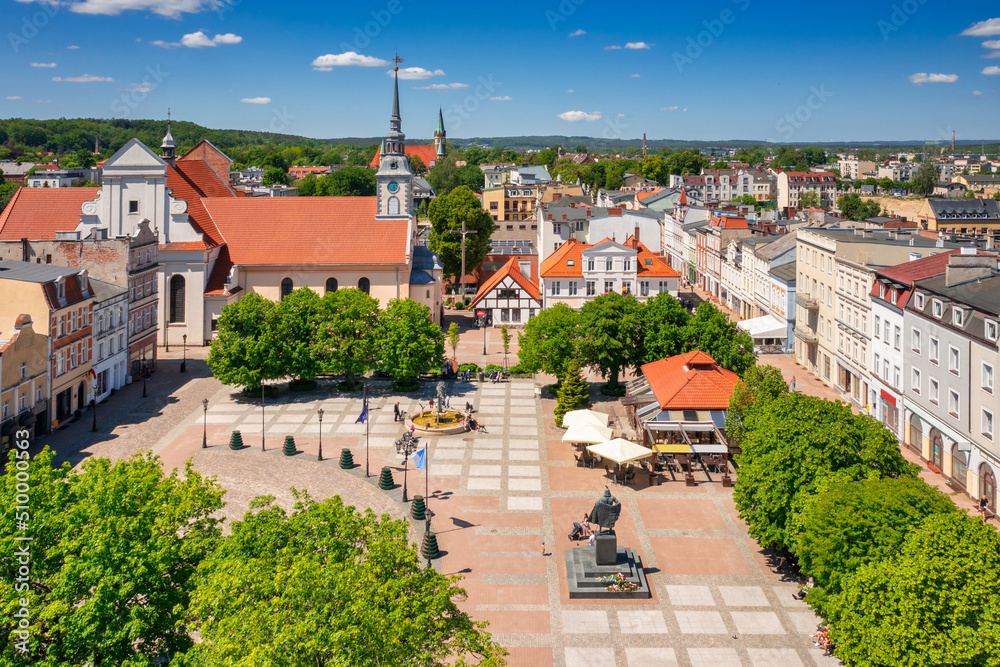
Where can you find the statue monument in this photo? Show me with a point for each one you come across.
(606, 511)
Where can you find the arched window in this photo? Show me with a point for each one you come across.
(331, 284)
(393, 205)
(959, 465)
(937, 449)
(177, 298)
(286, 287)
(365, 285)
(916, 433)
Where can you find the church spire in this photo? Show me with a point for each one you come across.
(394, 140)
(394, 179)
(168, 146)
(440, 137)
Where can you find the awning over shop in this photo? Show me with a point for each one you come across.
(710, 448)
(764, 327)
(672, 449)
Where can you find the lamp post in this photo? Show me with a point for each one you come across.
(262, 415)
(93, 404)
(204, 430)
(320, 413)
(464, 233)
(184, 361)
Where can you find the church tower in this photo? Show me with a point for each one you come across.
(394, 180)
(440, 137)
(168, 147)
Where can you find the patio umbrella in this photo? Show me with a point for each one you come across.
(589, 433)
(581, 417)
(620, 450)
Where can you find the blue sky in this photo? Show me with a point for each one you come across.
(728, 69)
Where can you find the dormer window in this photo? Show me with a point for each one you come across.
(920, 301)
(938, 309)
(61, 289)
(957, 317)
(83, 281)
(570, 262)
(991, 330)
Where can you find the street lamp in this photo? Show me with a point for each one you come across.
(262, 415)
(204, 431)
(184, 361)
(93, 404)
(320, 413)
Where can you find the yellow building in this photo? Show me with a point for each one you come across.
(23, 380)
(510, 202)
(61, 297)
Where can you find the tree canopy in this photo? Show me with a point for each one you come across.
(664, 327)
(758, 386)
(241, 353)
(446, 214)
(327, 585)
(925, 178)
(711, 331)
(611, 334)
(856, 208)
(790, 444)
(115, 547)
(409, 341)
(291, 335)
(934, 602)
(347, 332)
(548, 342)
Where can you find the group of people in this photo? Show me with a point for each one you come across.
(470, 423)
(445, 402)
(497, 376)
(822, 639)
(582, 530)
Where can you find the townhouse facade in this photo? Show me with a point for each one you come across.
(24, 378)
(855, 169)
(792, 185)
(111, 349)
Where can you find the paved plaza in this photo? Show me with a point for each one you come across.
(502, 498)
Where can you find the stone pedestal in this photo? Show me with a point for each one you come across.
(583, 574)
(606, 545)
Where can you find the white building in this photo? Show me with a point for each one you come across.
(110, 346)
(62, 178)
(508, 297)
(588, 224)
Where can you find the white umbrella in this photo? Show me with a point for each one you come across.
(587, 433)
(580, 417)
(620, 450)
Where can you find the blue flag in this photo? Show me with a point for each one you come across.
(419, 458)
(363, 417)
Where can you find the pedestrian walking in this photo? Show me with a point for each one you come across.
(447, 401)
(984, 504)
(793, 384)
(395, 412)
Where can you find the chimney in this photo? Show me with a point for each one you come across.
(636, 237)
(615, 211)
(967, 265)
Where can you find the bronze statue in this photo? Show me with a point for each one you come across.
(606, 511)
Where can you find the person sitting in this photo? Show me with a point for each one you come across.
(585, 525)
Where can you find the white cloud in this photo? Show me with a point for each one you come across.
(992, 44)
(13, 97)
(165, 45)
(986, 28)
(612, 48)
(84, 78)
(673, 108)
(570, 91)
(168, 8)
(43, 64)
(256, 100)
(977, 93)
(635, 76)
(142, 87)
(637, 45)
(621, 115)
(43, 101)
(577, 116)
(991, 54)
(685, 109)
(442, 86)
(346, 59)
(993, 70)
(503, 98)
(416, 73)
(921, 78)
(197, 40)
(72, 46)
(578, 33)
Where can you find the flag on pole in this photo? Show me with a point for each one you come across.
(419, 458)
(363, 417)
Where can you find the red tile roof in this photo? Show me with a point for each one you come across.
(555, 265)
(509, 269)
(651, 265)
(216, 284)
(910, 272)
(307, 230)
(691, 381)
(191, 181)
(38, 213)
(425, 152)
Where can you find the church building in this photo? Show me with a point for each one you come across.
(429, 154)
(214, 245)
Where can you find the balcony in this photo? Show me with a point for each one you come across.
(806, 301)
(806, 335)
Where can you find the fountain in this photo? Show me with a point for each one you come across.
(439, 420)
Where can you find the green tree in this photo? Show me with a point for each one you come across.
(274, 176)
(712, 332)
(328, 585)
(241, 354)
(856, 208)
(748, 200)
(925, 178)
(444, 177)
(471, 177)
(292, 334)
(790, 444)
(418, 166)
(475, 155)
(349, 182)
(611, 335)
(446, 214)
(329, 159)
(935, 602)
(549, 340)
(758, 386)
(409, 343)
(885, 184)
(505, 340)
(847, 524)
(573, 394)
(664, 327)
(347, 335)
(809, 199)
(309, 186)
(114, 548)
(453, 339)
